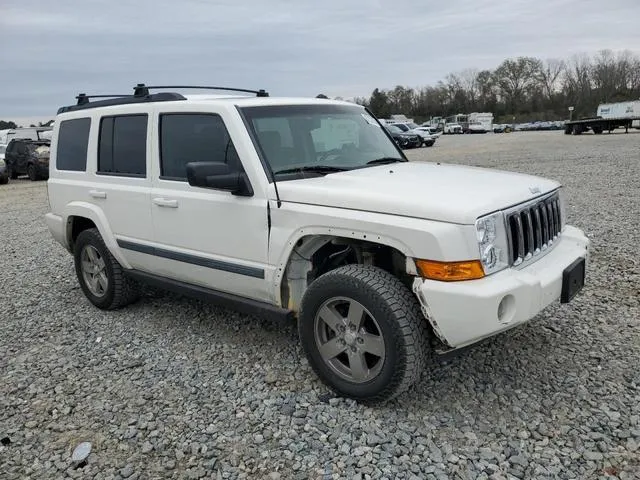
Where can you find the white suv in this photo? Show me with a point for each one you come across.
(306, 209)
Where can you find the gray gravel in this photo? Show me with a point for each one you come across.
(173, 388)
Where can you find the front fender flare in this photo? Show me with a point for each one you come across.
(332, 232)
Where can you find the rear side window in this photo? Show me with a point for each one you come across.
(122, 147)
(73, 138)
(193, 137)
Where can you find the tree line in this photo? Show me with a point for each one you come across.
(520, 89)
(7, 125)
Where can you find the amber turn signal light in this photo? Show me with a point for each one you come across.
(450, 271)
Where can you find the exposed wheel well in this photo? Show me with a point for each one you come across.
(75, 225)
(315, 255)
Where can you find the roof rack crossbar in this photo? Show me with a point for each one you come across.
(83, 98)
(141, 89)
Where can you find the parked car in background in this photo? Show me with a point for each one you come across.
(25, 156)
(435, 131)
(424, 134)
(403, 139)
(428, 138)
(452, 128)
(4, 175)
(502, 128)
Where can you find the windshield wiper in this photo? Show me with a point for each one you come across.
(312, 169)
(385, 160)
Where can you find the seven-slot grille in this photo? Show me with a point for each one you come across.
(532, 228)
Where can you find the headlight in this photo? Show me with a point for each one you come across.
(491, 235)
(563, 207)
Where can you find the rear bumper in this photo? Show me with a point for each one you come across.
(57, 228)
(463, 313)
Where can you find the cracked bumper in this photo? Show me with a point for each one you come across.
(463, 313)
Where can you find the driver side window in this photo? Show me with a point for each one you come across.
(193, 137)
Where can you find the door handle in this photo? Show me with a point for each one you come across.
(163, 202)
(97, 194)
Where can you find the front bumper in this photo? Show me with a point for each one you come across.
(411, 142)
(463, 313)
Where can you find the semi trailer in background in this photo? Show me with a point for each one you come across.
(609, 116)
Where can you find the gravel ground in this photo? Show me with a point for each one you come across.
(173, 388)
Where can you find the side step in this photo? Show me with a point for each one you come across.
(224, 299)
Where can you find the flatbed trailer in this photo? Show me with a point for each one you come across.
(599, 125)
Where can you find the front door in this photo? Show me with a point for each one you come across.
(203, 236)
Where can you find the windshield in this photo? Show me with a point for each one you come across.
(402, 127)
(310, 136)
(412, 125)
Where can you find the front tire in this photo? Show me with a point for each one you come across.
(101, 277)
(363, 333)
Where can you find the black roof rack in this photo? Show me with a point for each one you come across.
(83, 98)
(141, 94)
(85, 104)
(141, 89)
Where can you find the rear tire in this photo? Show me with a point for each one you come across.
(370, 330)
(101, 277)
(32, 172)
(4, 180)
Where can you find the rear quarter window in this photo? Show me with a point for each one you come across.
(122, 147)
(73, 140)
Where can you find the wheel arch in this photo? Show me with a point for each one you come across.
(310, 252)
(79, 216)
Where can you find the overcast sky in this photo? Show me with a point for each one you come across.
(51, 50)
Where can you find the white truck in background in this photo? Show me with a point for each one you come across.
(609, 116)
(480, 122)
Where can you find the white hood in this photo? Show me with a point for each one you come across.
(448, 193)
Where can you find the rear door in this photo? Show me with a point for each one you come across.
(122, 179)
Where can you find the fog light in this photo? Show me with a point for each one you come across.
(506, 309)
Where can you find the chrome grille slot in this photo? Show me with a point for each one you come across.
(532, 228)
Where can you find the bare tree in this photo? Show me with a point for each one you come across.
(549, 76)
(578, 83)
(516, 77)
(524, 87)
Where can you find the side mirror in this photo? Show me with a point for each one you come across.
(219, 176)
